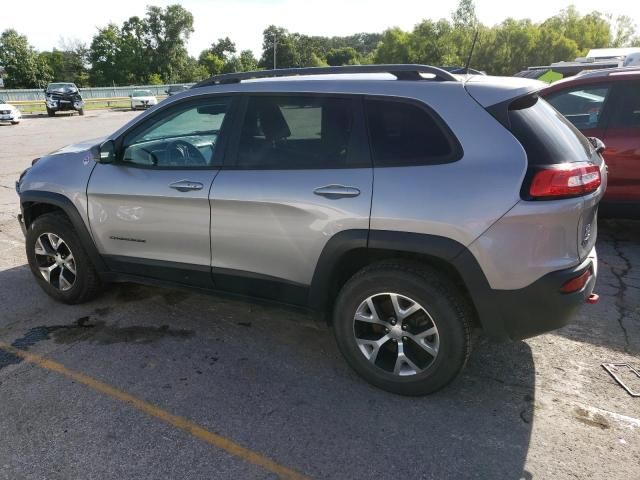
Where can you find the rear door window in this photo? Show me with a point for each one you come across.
(404, 134)
(297, 132)
(582, 106)
(627, 113)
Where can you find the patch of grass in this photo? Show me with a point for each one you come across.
(40, 107)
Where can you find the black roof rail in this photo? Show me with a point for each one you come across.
(400, 71)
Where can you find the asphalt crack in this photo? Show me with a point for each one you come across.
(620, 275)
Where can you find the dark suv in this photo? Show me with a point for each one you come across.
(63, 97)
(408, 205)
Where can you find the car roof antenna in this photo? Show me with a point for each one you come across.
(473, 46)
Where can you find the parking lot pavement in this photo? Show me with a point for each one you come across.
(146, 382)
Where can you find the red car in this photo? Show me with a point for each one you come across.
(606, 104)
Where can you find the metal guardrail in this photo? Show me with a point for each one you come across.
(36, 94)
(107, 100)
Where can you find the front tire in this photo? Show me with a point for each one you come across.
(403, 328)
(81, 112)
(58, 261)
(50, 112)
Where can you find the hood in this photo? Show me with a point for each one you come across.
(68, 93)
(63, 90)
(79, 147)
(144, 99)
(7, 106)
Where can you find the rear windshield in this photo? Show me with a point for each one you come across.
(546, 135)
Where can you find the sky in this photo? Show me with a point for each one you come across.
(46, 22)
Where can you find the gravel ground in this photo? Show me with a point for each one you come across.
(273, 382)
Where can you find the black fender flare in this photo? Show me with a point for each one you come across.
(454, 254)
(66, 205)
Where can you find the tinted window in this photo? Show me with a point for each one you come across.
(582, 106)
(546, 135)
(183, 136)
(295, 133)
(405, 134)
(627, 115)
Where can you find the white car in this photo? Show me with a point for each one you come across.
(142, 99)
(9, 113)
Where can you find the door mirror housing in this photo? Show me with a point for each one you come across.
(107, 152)
(597, 144)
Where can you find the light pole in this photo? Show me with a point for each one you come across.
(275, 46)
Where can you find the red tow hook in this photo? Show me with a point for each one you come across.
(593, 299)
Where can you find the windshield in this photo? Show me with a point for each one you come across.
(61, 86)
(142, 93)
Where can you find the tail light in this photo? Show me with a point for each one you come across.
(565, 180)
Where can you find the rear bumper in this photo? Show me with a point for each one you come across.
(542, 307)
(526, 312)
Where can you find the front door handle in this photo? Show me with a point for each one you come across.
(186, 185)
(337, 191)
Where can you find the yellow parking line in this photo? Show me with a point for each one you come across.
(178, 422)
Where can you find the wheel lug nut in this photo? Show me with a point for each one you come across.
(404, 339)
(386, 330)
(404, 327)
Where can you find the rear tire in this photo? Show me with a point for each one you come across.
(77, 281)
(406, 360)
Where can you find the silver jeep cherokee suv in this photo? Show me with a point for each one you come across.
(409, 205)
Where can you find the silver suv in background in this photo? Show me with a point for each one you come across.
(408, 205)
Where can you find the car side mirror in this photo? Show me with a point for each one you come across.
(597, 144)
(107, 152)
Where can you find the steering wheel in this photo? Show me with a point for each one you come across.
(183, 153)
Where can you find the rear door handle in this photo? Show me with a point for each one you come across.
(337, 191)
(186, 185)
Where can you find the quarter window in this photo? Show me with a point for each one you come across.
(405, 134)
(295, 132)
(582, 106)
(183, 137)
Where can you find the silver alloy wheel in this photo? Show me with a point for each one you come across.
(55, 261)
(396, 333)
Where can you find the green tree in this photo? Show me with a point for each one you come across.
(393, 47)
(212, 63)
(168, 30)
(24, 67)
(104, 57)
(343, 56)
(624, 32)
(223, 48)
(155, 79)
(589, 31)
(286, 53)
(68, 63)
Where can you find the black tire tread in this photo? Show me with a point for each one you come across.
(91, 284)
(437, 280)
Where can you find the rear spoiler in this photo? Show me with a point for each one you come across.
(498, 94)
